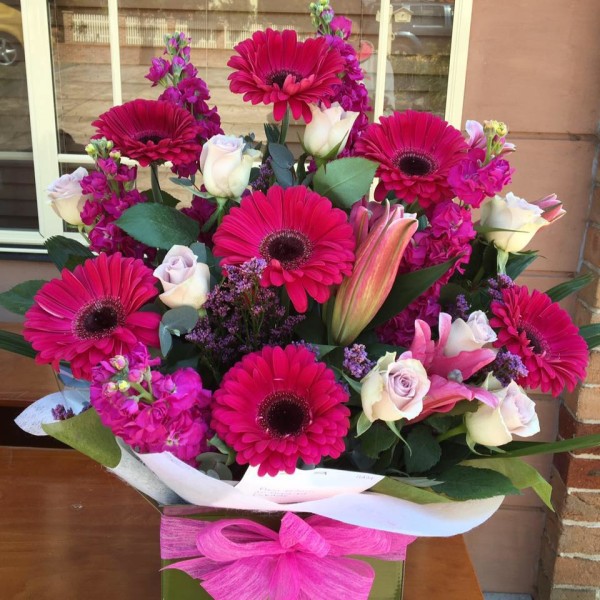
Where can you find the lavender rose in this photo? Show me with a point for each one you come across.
(66, 197)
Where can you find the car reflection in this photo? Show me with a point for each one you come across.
(11, 35)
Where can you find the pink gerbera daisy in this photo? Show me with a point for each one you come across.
(273, 67)
(150, 131)
(92, 313)
(415, 151)
(308, 244)
(279, 405)
(544, 336)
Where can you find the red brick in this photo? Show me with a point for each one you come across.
(584, 316)
(576, 571)
(578, 472)
(558, 594)
(580, 539)
(569, 427)
(593, 370)
(584, 402)
(591, 251)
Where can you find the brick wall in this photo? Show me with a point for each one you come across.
(570, 556)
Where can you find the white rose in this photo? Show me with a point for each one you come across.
(328, 129)
(226, 166)
(521, 217)
(184, 279)
(514, 415)
(471, 335)
(394, 389)
(66, 198)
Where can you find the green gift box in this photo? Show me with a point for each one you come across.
(177, 585)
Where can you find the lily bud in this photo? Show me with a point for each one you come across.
(551, 207)
(327, 133)
(378, 257)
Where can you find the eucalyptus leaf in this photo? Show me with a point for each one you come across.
(345, 181)
(180, 320)
(166, 341)
(19, 299)
(159, 226)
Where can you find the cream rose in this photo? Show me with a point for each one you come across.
(66, 198)
(226, 166)
(328, 129)
(469, 335)
(511, 212)
(514, 415)
(394, 389)
(184, 279)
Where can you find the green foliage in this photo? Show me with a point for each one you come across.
(591, 334)
(176, 321)
(158, 226)
(562, 290)
(282, 163)
(468, 483)
(518, 262)
(345, 181)
(86, 434)
(516, 449)
(66, 253)
(423, 451)
(399, 489)
(15, 343)
(377, 439)
(20, 298)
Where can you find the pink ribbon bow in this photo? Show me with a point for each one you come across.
(305, 560)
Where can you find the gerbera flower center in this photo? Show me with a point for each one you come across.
(149, 135)
(283, 414)
(99, 319)
(291, 248)
(279, 77)
(415, 163)
(536, 340)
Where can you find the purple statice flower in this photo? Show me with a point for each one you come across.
(265, 177)
(60, 413)
(356, 361)
(507, 367)
(314, 348)
(241, 317)
(149, 410)
(460, 308)
(497, 284)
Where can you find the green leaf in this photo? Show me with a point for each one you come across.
(180, 320)
(86, 434)
(223, 448)
(398, 489)
(271, 133)
(182, 181)
(469, 483)
(425, 451)
(325, 349)
(562, 290)
(355, 385)
(66, 253)
(20, 298)
(363, 424)
(15, 343)
(376, 439)
(281, 155)
(345, 181)
(516, 449)
(166, 341)
(591, 334)
(393, 426)
(158, 226)
(406, 288)
(520, 473)
(518, 262)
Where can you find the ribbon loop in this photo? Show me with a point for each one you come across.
(305, 560)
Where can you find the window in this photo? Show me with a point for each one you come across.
(63, 62)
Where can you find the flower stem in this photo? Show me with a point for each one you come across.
(156, 193)
(458, 430)
(285, 123)
(143, 393)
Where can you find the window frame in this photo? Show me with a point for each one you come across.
(42, 104)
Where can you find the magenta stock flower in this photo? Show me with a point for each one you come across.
(378, 255)
(279, 405)
(544, 336)
(448, 373)
(308, 244)
(273, 67)
(93, 313)
(415, 152)
(150, 131)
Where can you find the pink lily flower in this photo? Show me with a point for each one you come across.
(551, 207)
(382, 237)
(447, 373)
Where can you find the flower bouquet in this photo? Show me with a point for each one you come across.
(309, 373)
